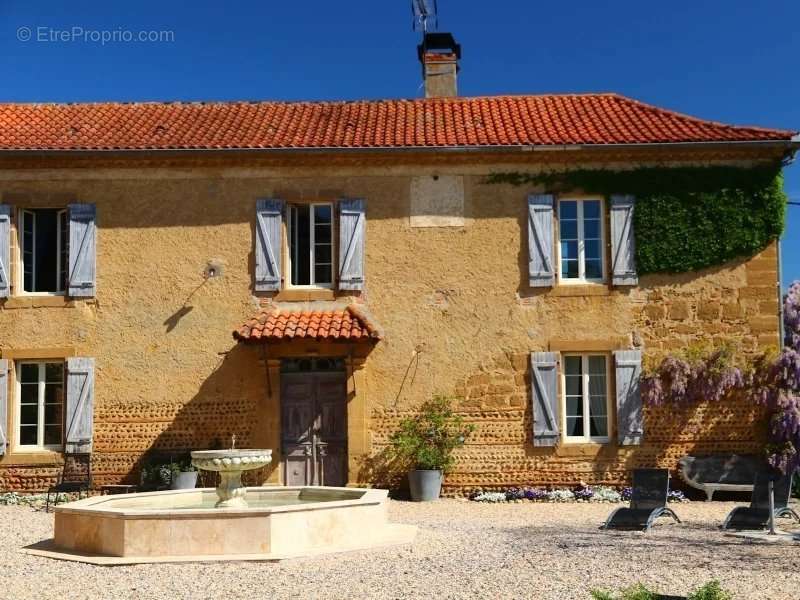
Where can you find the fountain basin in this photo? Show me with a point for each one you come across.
(183, 525)
(230, 464)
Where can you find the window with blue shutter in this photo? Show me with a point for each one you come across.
(352, 231)
(82, 250)
(268, 245)
(623, 244)
(544, 397)
(540, 240)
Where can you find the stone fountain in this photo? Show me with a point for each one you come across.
(230, 464)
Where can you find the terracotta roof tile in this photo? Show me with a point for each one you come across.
(270, 325)
(494, 121)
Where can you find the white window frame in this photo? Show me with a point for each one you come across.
(61, 232)
(586, 438)
(582, 279)
(312, 244)
(40, 445)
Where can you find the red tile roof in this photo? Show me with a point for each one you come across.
(272, 325)
(423, 123)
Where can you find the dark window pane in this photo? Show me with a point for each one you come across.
(598, 426)
(48, 253)
(568, 209)
(591, 209)
(573, 365)
(53, 393)
(28, 435)
(591, 229)
(574, 407)
(322, 274)
(52, 435)
(594, 269)
(300, 246)
(322, 214)
(574, 385)
(569, 269)
(575, 426)
(29, 373)
(597, 406)
(322, 234)
(53, 414)
(322, 254)
(592, 249)
(597, 365)
(569, 250)
(29, 393)
(28, 414)
(64, 250)
(54, 372)
(569, 230)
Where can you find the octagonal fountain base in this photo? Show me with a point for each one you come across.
(183, 525)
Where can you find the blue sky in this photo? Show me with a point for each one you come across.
(727, 60)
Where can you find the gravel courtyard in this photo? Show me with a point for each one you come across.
(463, 550)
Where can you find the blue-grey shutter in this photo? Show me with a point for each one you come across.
(540, 240)
(352, 228)
(630, 418)
(79, 405)
(3, 404)
(82, 250)
(544, 396)
(5, 250)
(623, 242)
(269, 216)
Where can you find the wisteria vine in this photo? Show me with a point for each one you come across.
(775, 384)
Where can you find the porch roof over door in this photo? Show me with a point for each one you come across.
(349, 324)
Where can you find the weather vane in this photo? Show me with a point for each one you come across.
(424, 11)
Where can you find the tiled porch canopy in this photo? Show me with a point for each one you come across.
(349, 324)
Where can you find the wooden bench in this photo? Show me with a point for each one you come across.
(720, 472)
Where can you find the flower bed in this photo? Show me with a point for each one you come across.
(580, 493)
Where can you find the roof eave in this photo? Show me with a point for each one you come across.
(792, 143)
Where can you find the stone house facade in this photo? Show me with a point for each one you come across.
(303, 275)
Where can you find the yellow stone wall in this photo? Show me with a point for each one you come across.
(458, 314)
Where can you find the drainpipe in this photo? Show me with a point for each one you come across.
(781, 324)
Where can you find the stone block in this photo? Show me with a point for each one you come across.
(679, 310)
(762, 278)
(732, 310)
(655, 311)
(708, 310)
(763, 324)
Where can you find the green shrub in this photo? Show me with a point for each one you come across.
(711, 591)
(427, 440)
(635, 592)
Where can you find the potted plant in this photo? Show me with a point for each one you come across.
(182, 475)
(426, 442)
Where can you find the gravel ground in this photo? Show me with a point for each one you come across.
(463, 550)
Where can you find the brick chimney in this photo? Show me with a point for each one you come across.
(439, 54)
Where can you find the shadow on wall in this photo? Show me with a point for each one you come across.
(231, 401)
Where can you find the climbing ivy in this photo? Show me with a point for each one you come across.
(686, 218)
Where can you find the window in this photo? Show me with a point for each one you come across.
(43, 250)
(585, 388)
(40, 414)
(311, 245)
(581, 236)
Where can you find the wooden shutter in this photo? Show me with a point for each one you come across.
(82, 250)
(352, 227)
(80, 405)
(3, 404)
(544, 395)
(5, 250)
(269, 216)
(630, 419)
(623, 244)
(540, 240)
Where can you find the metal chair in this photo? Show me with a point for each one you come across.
(649, 502)
(756, 516)
(75, 477)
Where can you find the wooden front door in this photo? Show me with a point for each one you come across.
(314, 428)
